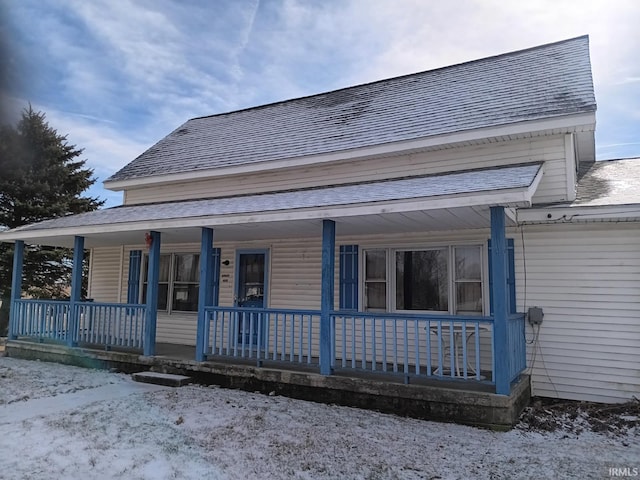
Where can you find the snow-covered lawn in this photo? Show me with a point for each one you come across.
(65, 422)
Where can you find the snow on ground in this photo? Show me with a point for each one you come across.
(66, 422)
(23, 380)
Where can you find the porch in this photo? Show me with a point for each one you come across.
(473, 341)
(448, 401)
(397, 347)
(485, 349)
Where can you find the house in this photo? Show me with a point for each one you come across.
(448, 228)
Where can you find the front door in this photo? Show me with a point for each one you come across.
(251, 292)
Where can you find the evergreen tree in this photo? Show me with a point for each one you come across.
(40, 178)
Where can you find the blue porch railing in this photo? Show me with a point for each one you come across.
(517, 345)
(106, 324)
(111, 324)
(41, 319)
(262, 334)
(436, 346)
(423, 345)
(420, 345)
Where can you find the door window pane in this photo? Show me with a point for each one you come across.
(251, 279)
(422, 280)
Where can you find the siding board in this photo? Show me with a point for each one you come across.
(551, 150)
(105, 270)
(587, 280)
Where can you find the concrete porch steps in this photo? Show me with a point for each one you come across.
(166, 379)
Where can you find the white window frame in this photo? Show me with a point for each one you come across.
(392, 281)
(363, 280)
(171, 280)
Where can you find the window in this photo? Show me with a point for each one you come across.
(186, 280)
(422, 280)
(375, 280)
(178, 284)
(444, 279)
(468, 279)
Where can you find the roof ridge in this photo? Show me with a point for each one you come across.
(383, 80)
(534, 84)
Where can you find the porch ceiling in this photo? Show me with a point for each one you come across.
(382, 223)
(459, 200)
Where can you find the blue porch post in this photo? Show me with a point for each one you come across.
(153, 276)
(16, 286)
(327, 302)
(205, 295)
(76, 290)
(500, 298)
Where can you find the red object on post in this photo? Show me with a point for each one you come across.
(148, 240)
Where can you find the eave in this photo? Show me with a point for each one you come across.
(584, 122)
(470, 194)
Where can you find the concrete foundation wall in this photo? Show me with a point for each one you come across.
(446, 403)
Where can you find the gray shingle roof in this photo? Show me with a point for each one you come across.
(611, 182)
(473, 181)
(538, 83)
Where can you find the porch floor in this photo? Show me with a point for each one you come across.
(186, 352)
(467, 402)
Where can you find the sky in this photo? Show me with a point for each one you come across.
(116, 76)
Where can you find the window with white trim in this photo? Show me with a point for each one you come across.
(422, 280)
(467, 279)
(375, 280)
(179, 281)
(446, 279)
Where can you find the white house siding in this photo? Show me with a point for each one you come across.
(296, 272)
(587, 280)
(550, 149)
(294, 282)
(585, 277)
(104, 281)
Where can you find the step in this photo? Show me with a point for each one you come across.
(166, 379)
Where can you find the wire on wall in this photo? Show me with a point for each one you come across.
(535, 328)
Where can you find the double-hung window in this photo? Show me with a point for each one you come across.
(446, 279)
(467, 273)
(375, 280)
(179, 280)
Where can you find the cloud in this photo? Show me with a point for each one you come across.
(118, 76)
(424, 35)
(246, 33)
(106, 149)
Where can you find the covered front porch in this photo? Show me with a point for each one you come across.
(484, 348)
